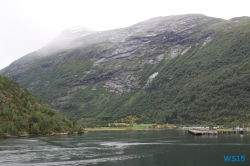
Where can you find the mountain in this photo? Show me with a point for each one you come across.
(176, 69)
(23, 113)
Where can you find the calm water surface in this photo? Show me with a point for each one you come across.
(126, 148)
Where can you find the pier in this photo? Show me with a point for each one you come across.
(202, 132)
(214, 132)
(231, 131)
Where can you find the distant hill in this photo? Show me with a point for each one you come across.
(23, 113)
(176, 69)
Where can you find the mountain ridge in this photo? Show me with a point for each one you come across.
(105, 76)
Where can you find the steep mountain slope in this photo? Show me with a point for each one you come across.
(23, 113)
(178, 69)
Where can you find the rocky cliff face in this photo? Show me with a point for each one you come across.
(82, 70)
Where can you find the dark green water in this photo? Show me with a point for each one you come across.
(126, 148)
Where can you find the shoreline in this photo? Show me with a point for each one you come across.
(128, 127)
(125, 129)
(42, 135)
(96, 130)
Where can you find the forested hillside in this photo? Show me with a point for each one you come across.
(23, 113)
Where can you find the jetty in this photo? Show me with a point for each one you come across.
(231, 131)
(215, 132)
(202, 132)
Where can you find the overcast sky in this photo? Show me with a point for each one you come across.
(27, 25)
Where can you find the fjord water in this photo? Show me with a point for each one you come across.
(126, 148)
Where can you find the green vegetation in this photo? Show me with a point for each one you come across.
(207, 85)
(23, 113)
(127, 126)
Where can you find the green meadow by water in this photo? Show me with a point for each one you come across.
(126, 148)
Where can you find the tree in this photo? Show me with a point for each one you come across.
(130, 119)
(35, 129)
(1, 131)
(36, 118)
(11, 129)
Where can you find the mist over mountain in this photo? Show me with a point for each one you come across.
(64, 40)
(175, 69)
